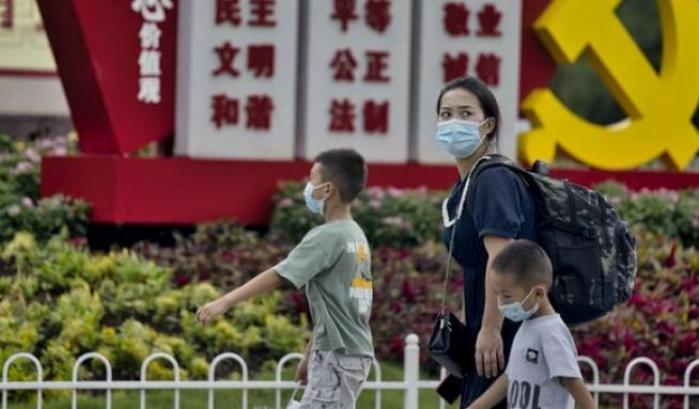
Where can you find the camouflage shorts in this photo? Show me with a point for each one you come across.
(334, 380)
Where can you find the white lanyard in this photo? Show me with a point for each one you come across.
(445, 210)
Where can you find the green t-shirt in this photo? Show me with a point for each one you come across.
(334, 264)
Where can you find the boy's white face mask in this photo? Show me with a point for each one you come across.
(515, 311)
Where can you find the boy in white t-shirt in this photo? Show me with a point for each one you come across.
(543, 371)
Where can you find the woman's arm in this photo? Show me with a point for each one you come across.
(494, 395)
(489, 349)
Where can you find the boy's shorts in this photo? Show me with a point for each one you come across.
(334, 380)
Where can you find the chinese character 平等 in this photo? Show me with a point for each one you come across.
(378, 14)
(344, 11)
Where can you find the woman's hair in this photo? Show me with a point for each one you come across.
(485, 97)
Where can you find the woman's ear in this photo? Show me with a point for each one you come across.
(488, 126)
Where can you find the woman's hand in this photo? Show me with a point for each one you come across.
(490, 357)
(209, 311)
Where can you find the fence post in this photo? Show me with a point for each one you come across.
(411, 367)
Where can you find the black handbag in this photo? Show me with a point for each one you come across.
(450, 344)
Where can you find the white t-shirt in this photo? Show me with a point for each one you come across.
(542, 351)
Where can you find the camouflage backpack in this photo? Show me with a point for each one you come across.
(591, 248)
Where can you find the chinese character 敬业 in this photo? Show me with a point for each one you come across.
(456, 19)
(488, 20)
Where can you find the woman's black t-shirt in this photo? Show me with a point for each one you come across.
(502, 207)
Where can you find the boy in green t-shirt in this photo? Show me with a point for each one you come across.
(333, 263)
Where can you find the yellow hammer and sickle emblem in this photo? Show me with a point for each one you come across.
(659, 106)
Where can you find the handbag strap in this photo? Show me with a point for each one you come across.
(453, 224)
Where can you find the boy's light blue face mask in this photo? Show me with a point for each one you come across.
(459, 137)
(515, 311)
(314, 205)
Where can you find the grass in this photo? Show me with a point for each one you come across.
(229, 399)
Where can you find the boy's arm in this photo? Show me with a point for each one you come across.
(262, 283)
(496, 393)
(302, 370)
(579, 391)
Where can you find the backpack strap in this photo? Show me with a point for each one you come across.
(493, 161)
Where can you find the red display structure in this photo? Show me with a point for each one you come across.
(122, 99)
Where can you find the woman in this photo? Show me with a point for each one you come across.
(501, 210)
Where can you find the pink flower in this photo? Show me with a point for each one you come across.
(23, 167)
(32, 155)
(286, 202)
(27, 202)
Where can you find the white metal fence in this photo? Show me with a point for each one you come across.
(410, 385)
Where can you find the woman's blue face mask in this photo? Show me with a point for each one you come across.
(459, 137)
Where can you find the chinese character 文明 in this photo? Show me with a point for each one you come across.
(224, 110)
(344, 64)
(488, 20)
(454, 66)
(262, 12)
(152, 10)
(226, 55)
(149, 62)
(344, 11)
(228, 11)
(375, 117)
(7, 14)
(149, 90)
(378, 14)
(261, 60)
(376, 64)
(488, 69)
(149, 35)
(456, 19)
(341, 116)
(259, 109)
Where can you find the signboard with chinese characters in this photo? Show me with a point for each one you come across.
(23, 43)
(236, 81)
(468, 38)
(358, 67)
